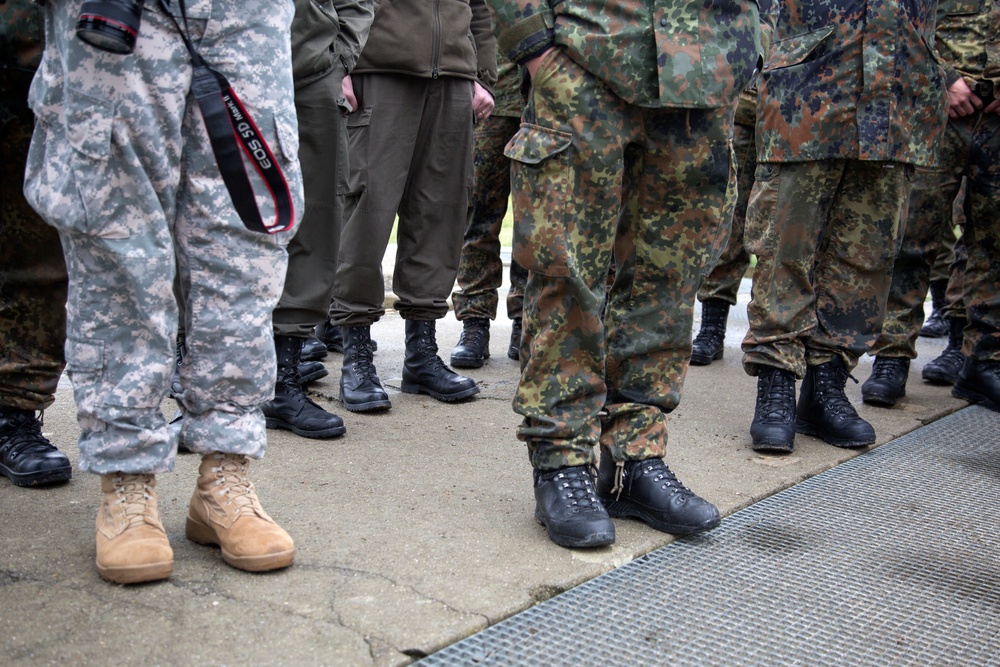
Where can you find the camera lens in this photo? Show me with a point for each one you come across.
(110, 25)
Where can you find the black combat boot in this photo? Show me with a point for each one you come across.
(331, 335)
(473, 347)
(773, 426)
(647, 490)
(565, 503)
(27, 458)
(945, 368)
(514, 351)
(936, 324)
(313, 349)
(979, 383)
(423, 370)
(291, 409)
(887, 383)
(824, 411)
(360, 388)
(310, 371)
(709, 345)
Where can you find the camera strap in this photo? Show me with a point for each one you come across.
(234, 134)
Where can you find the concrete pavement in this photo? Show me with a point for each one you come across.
(414, 530)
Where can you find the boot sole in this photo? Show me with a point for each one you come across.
(40, 478)
(201, 534)
(370, 406)
(136, 574)
(881, 400)
(466, 362)
(933, 377)
(808, 429)
(410, 388)
(705, 359)
(975, 398)
(271, 422)
(623, 510)
(598, 539)
(772, 446)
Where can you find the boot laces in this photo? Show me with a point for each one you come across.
(776, 399)
(576, 486)
(134, 495)
(26, 438)
(665, 476)
(885, 368)
(233, 485)
(829, 388)
(364, 358)
(473, 333)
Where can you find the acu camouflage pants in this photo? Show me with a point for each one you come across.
(121, 164)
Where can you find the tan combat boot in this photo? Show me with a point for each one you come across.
(225, 511)
(132, 546)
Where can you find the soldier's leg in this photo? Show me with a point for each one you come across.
(562, 388)
(32, 305)
(679, 213)
(921, 248)
(312, 260)
(852, 277)
(480, 269)
(233, 279)
(979, 380)
(720, 287)
(786, 216)
(928, 219)
(381, 135)
(432, 219)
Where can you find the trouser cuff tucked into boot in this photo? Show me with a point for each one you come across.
(226, 512)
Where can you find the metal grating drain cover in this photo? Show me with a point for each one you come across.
(892, 558)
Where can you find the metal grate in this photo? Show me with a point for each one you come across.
(892, 558)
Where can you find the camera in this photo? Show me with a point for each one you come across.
(110, 25)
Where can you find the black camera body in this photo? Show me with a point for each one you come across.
(110, 25)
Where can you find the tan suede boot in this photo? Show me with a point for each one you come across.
(225, 511)
(132, 546)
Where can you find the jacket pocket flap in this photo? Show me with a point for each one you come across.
(794, 50)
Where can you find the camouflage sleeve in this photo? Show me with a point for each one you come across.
(526, 28)
(355, 22)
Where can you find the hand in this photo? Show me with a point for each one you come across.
(992, 107)
(347, 89)
(961, 100)
(532, 65)
(482, 101)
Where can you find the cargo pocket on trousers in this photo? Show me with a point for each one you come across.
(70, 178)
(285, 148)
(543, 181)
(758, 232)
(358, 124)
(85, 368)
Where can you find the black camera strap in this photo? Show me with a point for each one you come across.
(233, 133)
